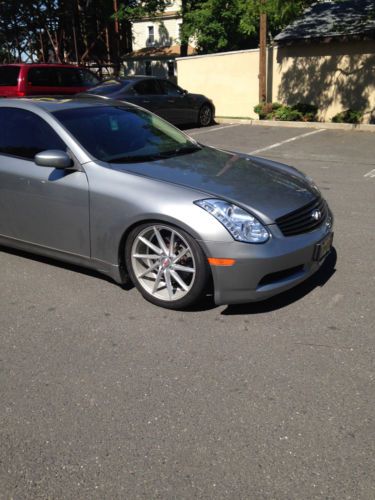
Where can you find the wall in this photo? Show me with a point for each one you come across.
(166, 28)
(334, 76)
(230, 79)
(166, 32)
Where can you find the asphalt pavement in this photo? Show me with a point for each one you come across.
(105, 396)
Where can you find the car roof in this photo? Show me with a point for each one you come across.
(43, 65)
(133, 78)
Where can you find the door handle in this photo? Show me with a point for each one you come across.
(146, 102)
(171, 101)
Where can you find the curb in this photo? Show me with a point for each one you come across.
(271, 123)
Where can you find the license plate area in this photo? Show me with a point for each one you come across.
(323, 247)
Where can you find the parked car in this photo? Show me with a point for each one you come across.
(160, 96)
(18, 80)
(113, 187)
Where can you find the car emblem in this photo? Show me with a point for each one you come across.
(316, 214)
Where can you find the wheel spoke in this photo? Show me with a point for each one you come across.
(171, 245)
(180, 255)
(179, 280)
(161, 242)
(146, 256)
(168, 283)
(147, 271)
(153, 247)
(157, 280)
(186, 269)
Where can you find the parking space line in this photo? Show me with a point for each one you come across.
(277, 144)
(215, 129)
(370, 174)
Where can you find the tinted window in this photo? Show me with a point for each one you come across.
(106, 88)
(147, 87)
(43, 77)
(120, 134)
(25, 134)
(69, 77)
(9, 75)
(61, 77)
(88, 79)
(169, 88)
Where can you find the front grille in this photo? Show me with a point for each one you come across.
(301, 221)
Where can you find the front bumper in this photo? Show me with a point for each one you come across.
(264, 270)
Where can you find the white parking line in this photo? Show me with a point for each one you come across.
(215, 129)
(370, 174)
(277, 144)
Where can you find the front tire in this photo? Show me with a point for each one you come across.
(205, 115)
(166, 264)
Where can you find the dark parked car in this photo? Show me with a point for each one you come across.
(161, 97)
(19, 80)
(113, 187)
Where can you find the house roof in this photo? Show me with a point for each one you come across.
(330, 19)
(159, 16)
(170, 52)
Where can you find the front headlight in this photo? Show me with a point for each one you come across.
(312, 184)
(241, 225)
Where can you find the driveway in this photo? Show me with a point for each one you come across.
(105, 396)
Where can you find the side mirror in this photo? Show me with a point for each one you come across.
(53, 158)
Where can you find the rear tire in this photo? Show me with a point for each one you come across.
(166, 265)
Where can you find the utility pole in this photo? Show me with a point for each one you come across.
(117, 40)
(262, 53)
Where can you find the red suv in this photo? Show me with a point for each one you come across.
(18, 80)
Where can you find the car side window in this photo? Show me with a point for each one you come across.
(170, 89)
(24, 134)
(147, 87)
(44, 77)
(69, 77)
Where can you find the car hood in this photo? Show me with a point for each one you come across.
(265, 188)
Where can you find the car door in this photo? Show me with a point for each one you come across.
(39, 205)
(148, 94)
(181, 108)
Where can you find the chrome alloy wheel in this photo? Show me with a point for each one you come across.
(163, 263)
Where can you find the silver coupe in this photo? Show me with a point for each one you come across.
(111, 186)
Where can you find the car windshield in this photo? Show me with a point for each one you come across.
(119, 134)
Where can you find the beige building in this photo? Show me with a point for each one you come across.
(156, 44)
(160, 31)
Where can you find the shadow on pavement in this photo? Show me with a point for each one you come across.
(57, 263)
(319, 279)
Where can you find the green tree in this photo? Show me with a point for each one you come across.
(222, 25)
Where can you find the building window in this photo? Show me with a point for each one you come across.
(151, 36)
(148, 68)
(170, 69)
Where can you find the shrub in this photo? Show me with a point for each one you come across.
(286, 113)
(277, 111)
(309, 111)
(348, 116)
